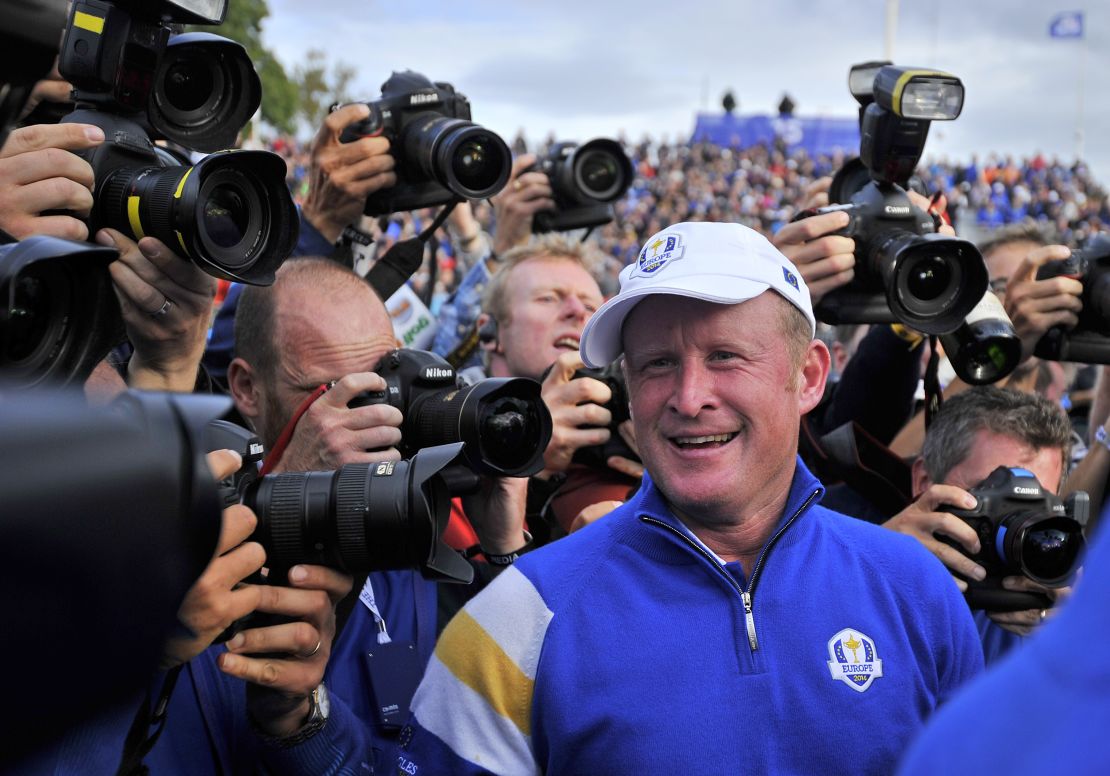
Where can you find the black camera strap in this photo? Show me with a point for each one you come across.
(404, 258)
(141, 738)
(933, 393)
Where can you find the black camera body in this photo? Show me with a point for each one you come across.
(1089, 341)
(1023, 530)
(905, 271)
(503, 422)
(231, 213)
(597, 456)
(441, 154)
(585, 180)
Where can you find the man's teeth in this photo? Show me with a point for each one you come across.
(566, 342)
(701, 440)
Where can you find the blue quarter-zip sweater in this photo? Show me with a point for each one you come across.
(630, 648)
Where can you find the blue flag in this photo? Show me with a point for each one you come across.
(1068, 24)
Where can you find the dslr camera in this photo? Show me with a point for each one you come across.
(585, 180)
(230, 213)
(442, 156)
(1023, 530)
(503, 422)
(905, 271)
(597, 456)
(1089, 341)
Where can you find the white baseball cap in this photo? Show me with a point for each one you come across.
(715, 262)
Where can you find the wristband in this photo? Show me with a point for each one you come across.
(495, 559)
(914, 338)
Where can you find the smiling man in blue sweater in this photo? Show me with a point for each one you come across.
(721, 620)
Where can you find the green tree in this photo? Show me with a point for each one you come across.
(279, 94)
(317, 89)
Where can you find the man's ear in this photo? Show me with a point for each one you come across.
(921, 481)
(813, 374)
(487, 333)
(245, 388)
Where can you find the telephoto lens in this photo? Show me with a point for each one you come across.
(503, 421)
(364, 517)
(460, 155)
(985, 348)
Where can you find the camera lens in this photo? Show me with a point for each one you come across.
(509, 430)
(226, 216)
(189, 84)
(31, 323)
(231, 213)
(1050, 548)
(463, 157)
(599, 175)
(364, 517)
(929, 278)
(471, 164)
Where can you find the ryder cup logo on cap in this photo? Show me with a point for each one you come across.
(714, 262)
(662, 248)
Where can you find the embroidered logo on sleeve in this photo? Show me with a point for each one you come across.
(853, 659)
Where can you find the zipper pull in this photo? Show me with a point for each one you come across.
(749, 618)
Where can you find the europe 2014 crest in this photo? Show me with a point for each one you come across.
(853, 659)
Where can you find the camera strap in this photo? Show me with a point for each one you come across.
(933, 393)
(140, 740)
(404, 258)
(282, 442)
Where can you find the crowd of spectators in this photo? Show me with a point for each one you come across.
(760, 187)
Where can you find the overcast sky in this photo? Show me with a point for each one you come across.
(582, 69)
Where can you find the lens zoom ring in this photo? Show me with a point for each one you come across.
(287, 519)
(350, 515)
(159, 206)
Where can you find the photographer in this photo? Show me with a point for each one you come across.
(527, 193)
(321, 325)
(974, 433)
(533, 312)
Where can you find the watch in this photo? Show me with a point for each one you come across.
(319, 707)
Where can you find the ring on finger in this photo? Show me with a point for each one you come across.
(1043, 613)
(517, 185)
(314, 650)
(163, 310)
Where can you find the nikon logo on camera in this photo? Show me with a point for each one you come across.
(422, 99)
(437, 373)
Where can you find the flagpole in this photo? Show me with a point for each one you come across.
(1079, 100)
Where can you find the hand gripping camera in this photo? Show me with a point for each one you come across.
(230, 213)
(905, 271)
(1089, 341)
(503, 422)
(1023, 530)
(441, 154)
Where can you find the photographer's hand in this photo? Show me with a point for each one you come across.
(578, 417)
(166, 303)
(38, 174)
(331, 434)
(342, 175)
(825, 260)
(526, 194)
(923, 521)
(284, 663)
(624, 465)
(593, 513)
(497, 513)
(1035, 306)
(1025, 622)
(217, 598)
(53, 88)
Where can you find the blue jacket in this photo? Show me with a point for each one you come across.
(629, 648)
(1044, 708)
